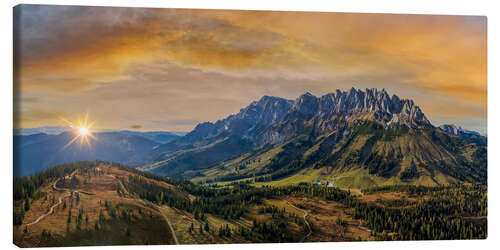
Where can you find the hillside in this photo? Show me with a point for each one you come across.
(185, 163)
(352, 138)
(99, 203)
(376, 156)
(85, 204)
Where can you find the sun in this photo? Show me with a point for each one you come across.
(82, 131)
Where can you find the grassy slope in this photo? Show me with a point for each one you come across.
(254, 162)
(347, 164)
(187, 163)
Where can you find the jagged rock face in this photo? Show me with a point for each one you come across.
(377, 104)
(249, 122)
(337, 110)
(274, 120)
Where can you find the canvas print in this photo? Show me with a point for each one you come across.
(142, 126)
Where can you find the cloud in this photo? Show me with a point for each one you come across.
(197, 65)
(36, 117)
(105, 42)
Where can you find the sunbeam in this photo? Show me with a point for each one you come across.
(82, 130)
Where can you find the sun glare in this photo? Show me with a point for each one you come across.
(82, 130)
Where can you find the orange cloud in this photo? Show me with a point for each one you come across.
(257, 51)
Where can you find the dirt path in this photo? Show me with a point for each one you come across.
(169, 225)
(54, 186)
(62, 189)
(306, 213)
(51, 210)
(156, 206)
(362, 228)
(46, 214)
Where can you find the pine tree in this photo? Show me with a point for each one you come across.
(207, 227)
(101, 216)
(228, 231)
(26, 204)
(69, 217)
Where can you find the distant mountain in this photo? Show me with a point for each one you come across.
(463, 133)
(33, 153)
(157, 136)
(52, 130)
(36, 149)
(371, 133)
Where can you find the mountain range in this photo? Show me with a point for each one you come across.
(356, 138)
(39, 151)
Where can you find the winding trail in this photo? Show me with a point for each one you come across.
(54, 186)
(306, 213)
(150, 203)
(46, 214)
(51, 210)
(169, 224)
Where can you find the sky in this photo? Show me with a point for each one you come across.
(170, 69)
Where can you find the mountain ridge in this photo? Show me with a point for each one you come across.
(388, 136)
(252, 120)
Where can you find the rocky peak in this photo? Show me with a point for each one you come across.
(269, 112)
(376, 103)
(306, 105)
(268, 109)
(249, 121)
